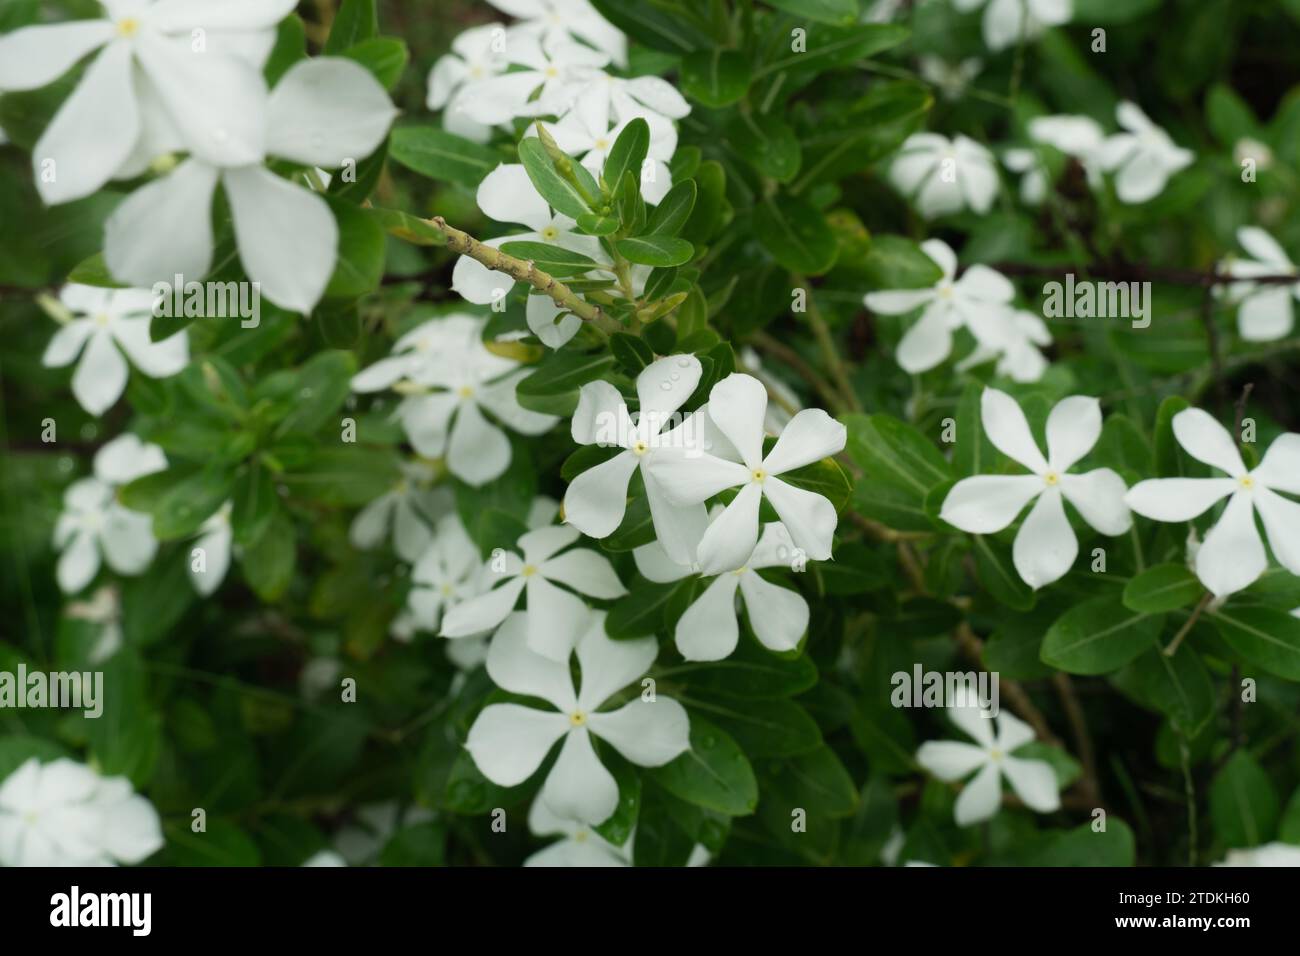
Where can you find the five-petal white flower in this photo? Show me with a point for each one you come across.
(737, 406)
(1145, 156)
(508, 742)
(407, 509)
(1264, 311)
(1033, 781)
(477, 54)
(564, 18)
(1045, 546)
(1232, 555)
(110, 319)
(581, 846)
(1008, 22)
(944, 176)
(448, 572)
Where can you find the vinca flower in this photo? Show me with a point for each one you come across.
(152, 78)
(737, 406)
(1033, 781)
(1008, 22)
(1144, 156)
(580, 846)
(408, 509)
(216, 538)
(710, 628)
(1018, 356)
(111, 322)
(1264, 311)
(447, 573)
(325, 113)
(564, 18)
(945, 176)
(1045, 546)
(94, 523)
(555, 618)
(980, 301)
(1232, 554)
(63, 813)
(477, 54)
(508, 742)
(554, 71)
(597, 498)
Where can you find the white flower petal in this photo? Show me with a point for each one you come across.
(155, 359)
(556, 618)
(927, 342)
(1280, 469)
(1045, 546)
(897, 301)
(239, 16)
(679, 528)
(127, 458)
(164, 228)
(984, 504)
(515, 667)
(689, 477)
(1034, 782)
(130, 830)
(1232, 555)
(326, 111)
(596, 500)
(78, 563)
(585, 571)
(484, 612)
(1177, 499)
(507, 195)
(971, 721)
(708, 629)
(544, 542)
(731, 537)
(777, 615)
(981, 798)
(1073, 427)
(101, 375)
(662, 387)
(810, 436)
(475, 282)
(427, 420)
(1007, 429)
(1099, 497)
(737, 405)
(809, 518)
(1206, 440)
(541, 313)
(509, 742)
(608, 665)
(648, 733)
(1013, 732)
(67, 343)
(578, 786)
(501, 399)
(35, 56)
(950, 760)
(478, 451)
(601, 416)
(1281, 517)
(1266, 315)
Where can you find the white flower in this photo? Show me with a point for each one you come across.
(362, 840)
(980, 301)
(562, 18)
(215, 539)
(555, 71)
(1080, 137)
(325, 858)
(111, 319)
(449, 378)
(508, 742)
(1045, 546)
(447, 573)
(1034, 781)
(945, 176)
(326, 113)
(1268, 854)
(93, 521)
(737, 406)
(64, 814)
(777, 417)
(1265, 313)
(597, 499)
(1033, 180)
(1018, 356)
(149, 83)
(581, 846)
(477, 54)
(1145, 156)
(1232, 554)
(1008, 22)
(105, 609)
(709, 628)
(407, 510)
(555, 618)
(951, 78)
(1245, 149)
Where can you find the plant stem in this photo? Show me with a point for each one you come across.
(1187, 627)
(830, 354)
(778, 349)
(1082, 739)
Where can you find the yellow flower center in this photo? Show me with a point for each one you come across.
(580, 836)
(465, 391)
(602, 144)
(1246, 482)
(995, 754)
(550, 233)
(552, 72)
(577, 718)
(639, 448)
(759, 474)
(1051, 478)
(945, 291)
(102, 319)
(446, 590)
(529, 570)
(740, 570)
(128, 27)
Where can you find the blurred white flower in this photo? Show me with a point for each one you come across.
(407, 511)
(1008, 22)
(1232, 555)
(554, 71)
(508, 742)
(325, 858)
(216, 538)
(1033, 781)
(952, 79)
(109, 320)
(944, 176)
(1144, 156)
(448, 572)
(477, 54)
(1267, 854)
(1018, 356)
(1045, 546)
(580, 846)
(1265, 312)
(568, 18)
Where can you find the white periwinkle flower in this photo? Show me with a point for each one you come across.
(1033, 781)
(477, 54)
(93, 521)
(952, 79)
(554, 71)
(509, 742)
(407, 509)
(109, 320)
(709, 629)
(1080, 137)
(1045, 546)
(1008, 22)
(1267, 854)
(449, 378)
(580, 846)
(149, 85)
(1232, 554)
(979, 301)
(597, 499)
(564, 18)
(216, 537)
(325, 112)
(1018, 356)
(1145, 156)
(447, 573)
(555, 618)
(62, 813)
(945, 176)
(1265, 312)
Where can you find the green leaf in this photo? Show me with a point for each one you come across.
(253, 504)
(562, 195)
(795, 234)
(659, 251)
(187, 504)
(290, 47)
(780, 728)
(713, 774)
(673, 211)
(1179, 687)
(997, 573)
(639, 614)
(408, 228)
(837, 13)
(384, 57)
(825, 478)
(1082, 846)
(268, 564)
(1165, 587)
(222, 844)
(1099, 636)
(751, 672)
(356, 20)
(1263, 636)
(896, 453)
(94, 271)
(361, 252)
(661, 25)
(565, 372)
(715, 77)
(627, 154)
(897, 263)
(550, 258)
(126, 738)
(433, 152)
(830, 49)
(631, 352)
(767, 143)
(1243, 802)
(322, 386)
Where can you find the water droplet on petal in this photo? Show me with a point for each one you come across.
(666, 385)
(674, 376)
(683, 363)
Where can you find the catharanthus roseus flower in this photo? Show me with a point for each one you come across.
(93, 522)
(1008, 22)
(709, 629)
(980, 301)
(737, 406)
(448, 572)
(216, 538)
(509, 741)
(555, 617)
(1144, 156)
(449, 379)
(1033, 781)
(580, 846)
(151, 83)
(1018, 356)
(109, 320)
(1264, 311)
(597, 498)
(554, 71)
(477, 54)
(408, 510)
(63, 813)
(1045, 546)
(562, 18)
(945, 176)
(1232, 555)
(326, 112)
